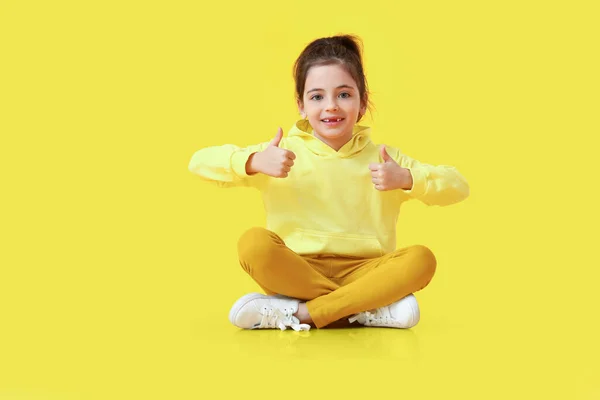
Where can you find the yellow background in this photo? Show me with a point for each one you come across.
(118, 266)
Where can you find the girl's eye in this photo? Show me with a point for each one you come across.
(343, 95)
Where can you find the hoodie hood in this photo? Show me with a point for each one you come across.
(361, 137)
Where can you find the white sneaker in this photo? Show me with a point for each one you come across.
(258, 311)
(402, 314)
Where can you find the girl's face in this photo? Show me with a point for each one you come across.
(331, 102)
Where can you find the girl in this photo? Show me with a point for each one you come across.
(332, 199)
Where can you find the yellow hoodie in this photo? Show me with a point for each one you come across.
(328, 204)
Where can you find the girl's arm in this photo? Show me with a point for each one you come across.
(225, 165)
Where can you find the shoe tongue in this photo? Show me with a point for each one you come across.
(290, 305)
(381, 312)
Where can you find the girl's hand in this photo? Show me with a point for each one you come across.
(272, 161)
(389, 175)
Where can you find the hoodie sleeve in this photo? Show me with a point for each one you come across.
(434, 185)
(225, 165)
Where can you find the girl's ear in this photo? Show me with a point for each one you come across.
(300, 107)
(363, 106)
(362, 111)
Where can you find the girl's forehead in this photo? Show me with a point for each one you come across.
(328, 76)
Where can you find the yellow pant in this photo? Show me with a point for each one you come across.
(334, 287)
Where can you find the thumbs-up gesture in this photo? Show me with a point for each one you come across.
(272, 161)
(389, 175)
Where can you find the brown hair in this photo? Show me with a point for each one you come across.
(343, 50)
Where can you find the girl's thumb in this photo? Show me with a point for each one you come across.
(386, 157)
(277, 139)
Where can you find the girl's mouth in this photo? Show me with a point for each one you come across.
(332, 121)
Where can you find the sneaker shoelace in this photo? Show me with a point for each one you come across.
(275, 318)
(380, 317)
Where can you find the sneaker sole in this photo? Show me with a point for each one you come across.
(240, 303)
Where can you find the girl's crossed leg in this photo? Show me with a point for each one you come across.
(333, 287)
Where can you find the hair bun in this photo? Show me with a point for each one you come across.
(351, 42)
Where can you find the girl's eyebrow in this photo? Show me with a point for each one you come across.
(339, 87)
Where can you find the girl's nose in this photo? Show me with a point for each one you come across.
(332, 106)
